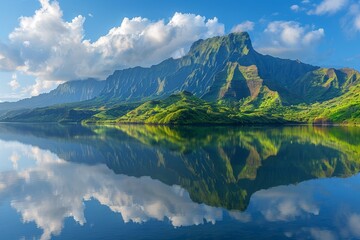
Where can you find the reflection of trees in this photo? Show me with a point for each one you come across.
(53, 189)
(224, 166)
(219, 166)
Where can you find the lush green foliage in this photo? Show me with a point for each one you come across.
(52, 114)
(184, 108)
(222, 80)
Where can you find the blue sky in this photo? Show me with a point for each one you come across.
(44, 43)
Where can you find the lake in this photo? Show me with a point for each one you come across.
(158, 182)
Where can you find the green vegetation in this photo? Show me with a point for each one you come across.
(180, 108)
(52, 114)
(264, 108)
(222, 80)
(185, 109)
(344, 109)
(325, 83)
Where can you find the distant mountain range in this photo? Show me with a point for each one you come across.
(221, 80)
(68, 92)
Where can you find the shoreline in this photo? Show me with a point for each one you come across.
(193, 124)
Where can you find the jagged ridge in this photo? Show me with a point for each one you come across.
(226, 75)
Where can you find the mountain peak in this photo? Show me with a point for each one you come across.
(240, 41)
(234, 44)
(242, 38)
(236, 39)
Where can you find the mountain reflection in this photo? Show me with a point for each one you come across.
(53, 189)
(178, 174)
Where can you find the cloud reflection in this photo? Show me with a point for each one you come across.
(53, 189)
(354, 224)
(46, 190)
(320, 234)
(287, 203)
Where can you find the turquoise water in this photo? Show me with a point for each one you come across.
(147, 182)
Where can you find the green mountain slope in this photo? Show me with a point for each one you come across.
(344, 109)
(184, 109)
(229, 82)
(208, 71)
(325, 84)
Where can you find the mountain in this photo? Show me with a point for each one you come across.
(224, 67)
(68, 92)
(222, 80)
(325, 83)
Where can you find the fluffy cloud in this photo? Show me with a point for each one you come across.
(40, 86)
(14, 84)
(244, 27)
(298, 8)
(50, 48)
(329, 7)
(43, 177)
(295, 8)
(289, 39)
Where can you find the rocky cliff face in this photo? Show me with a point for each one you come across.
(216, 68)
(224, 69)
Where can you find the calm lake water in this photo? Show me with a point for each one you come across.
(147, 182)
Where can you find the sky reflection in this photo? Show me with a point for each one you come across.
(53, 189)
(47, 190)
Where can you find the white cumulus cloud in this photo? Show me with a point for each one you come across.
(48, 47)
(328, 7)
(246, 26)
(289, 39)
(295, 8)
(14, 84)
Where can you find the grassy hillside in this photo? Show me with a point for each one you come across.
(52, 114)
(185, 109)
(344, 109)
(179, 108)
(325, 84)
